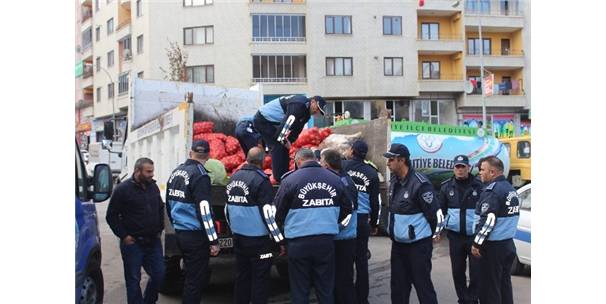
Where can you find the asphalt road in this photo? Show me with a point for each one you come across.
(221, 286)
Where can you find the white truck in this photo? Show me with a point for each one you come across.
(160, 126)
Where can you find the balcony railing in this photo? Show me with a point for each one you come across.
(86, 14)
(505, 52)
(279, 80)
(421, 37)
(278, 39)
(493, 8)
(278, 1)
(447, 77)
(88, 71)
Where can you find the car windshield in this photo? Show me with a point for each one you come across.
(525, 200)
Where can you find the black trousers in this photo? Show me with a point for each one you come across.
(495, 272)
(460, 251)
(196, 251)
(279, 154)
(345, 251)
(411, 265)
(254, 260)
(311, 260)
(361, 258)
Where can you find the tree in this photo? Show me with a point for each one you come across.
(177, 60)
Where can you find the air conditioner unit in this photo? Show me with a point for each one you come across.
(127, 55)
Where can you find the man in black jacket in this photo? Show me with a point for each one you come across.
(280, 122)
(135, 215)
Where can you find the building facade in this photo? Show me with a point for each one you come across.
(419, 61)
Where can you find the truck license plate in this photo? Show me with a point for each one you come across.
(226, 243)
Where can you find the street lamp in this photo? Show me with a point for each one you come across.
(455, 5)
(113, 101)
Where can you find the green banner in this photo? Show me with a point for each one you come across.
(349, 121)
(79, 68)
(421, 127)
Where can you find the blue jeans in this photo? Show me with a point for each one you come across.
(149, 256)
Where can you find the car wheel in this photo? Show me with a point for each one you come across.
(517, 267)
(91, 291)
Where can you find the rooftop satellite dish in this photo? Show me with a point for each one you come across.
(468, 87)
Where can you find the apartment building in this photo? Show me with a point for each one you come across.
(362, 56)
(84, 73)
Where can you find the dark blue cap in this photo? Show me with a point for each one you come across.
(397, 150)
(200, 146)
(360, 148)
(461, 160)
(321, 103)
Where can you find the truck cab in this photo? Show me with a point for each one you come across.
(519, 156)
(98, 188)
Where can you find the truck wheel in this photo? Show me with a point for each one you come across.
(517, 267)
(91, 291)
(173, 280)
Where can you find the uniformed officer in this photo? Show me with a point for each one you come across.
(189, 210)
(369, 210)
(251, 217)
(345, 241)
(459, 196)
(498, 212)
(312, 205)
(247, 135)
(280, 122)
(414, 216)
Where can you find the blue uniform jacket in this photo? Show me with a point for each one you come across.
(249, 209)
(278, 110)
(497, 213)
(351, 230)
(312, 201)
(367, 183)
(188, 199)
(412, 208)
(459, 200)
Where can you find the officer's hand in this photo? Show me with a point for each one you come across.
(128, 240)
(437, 238)
(282, 250)
(475, 251)
(287, 144)
(214, 250)
(374, 231)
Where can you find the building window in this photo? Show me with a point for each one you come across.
(87, 38)
(197, 2)
(392, 25)
(393, 66)
(139, 44)
(337, 24)
(473, 46)
(471, 6)
(110, 26)
(476, 81)
(339, 66)
(278, 28)
(201, 73)
(125, 43)
(138, 6)
(96, 5)
(123, 84)
(110, 90)
(98, 94)
(198, 35)
(278, 68)
(427, 111)
(140, 75)
(431, 70)
(110, 58)
(98, 63)
(430, 31)
(97, 33)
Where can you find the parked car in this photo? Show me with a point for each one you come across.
(89, 278)
(522, 237)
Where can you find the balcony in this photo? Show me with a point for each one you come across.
(278, 1)
(87, 77)
(519, 101)
(438, 8)
(280, 80)
(87, 14)
(495, 14)
(446, 83)
(125, 4)
(445, 45)
(513, 59)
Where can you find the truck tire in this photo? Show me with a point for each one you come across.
(517, 267)
(91, 291)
